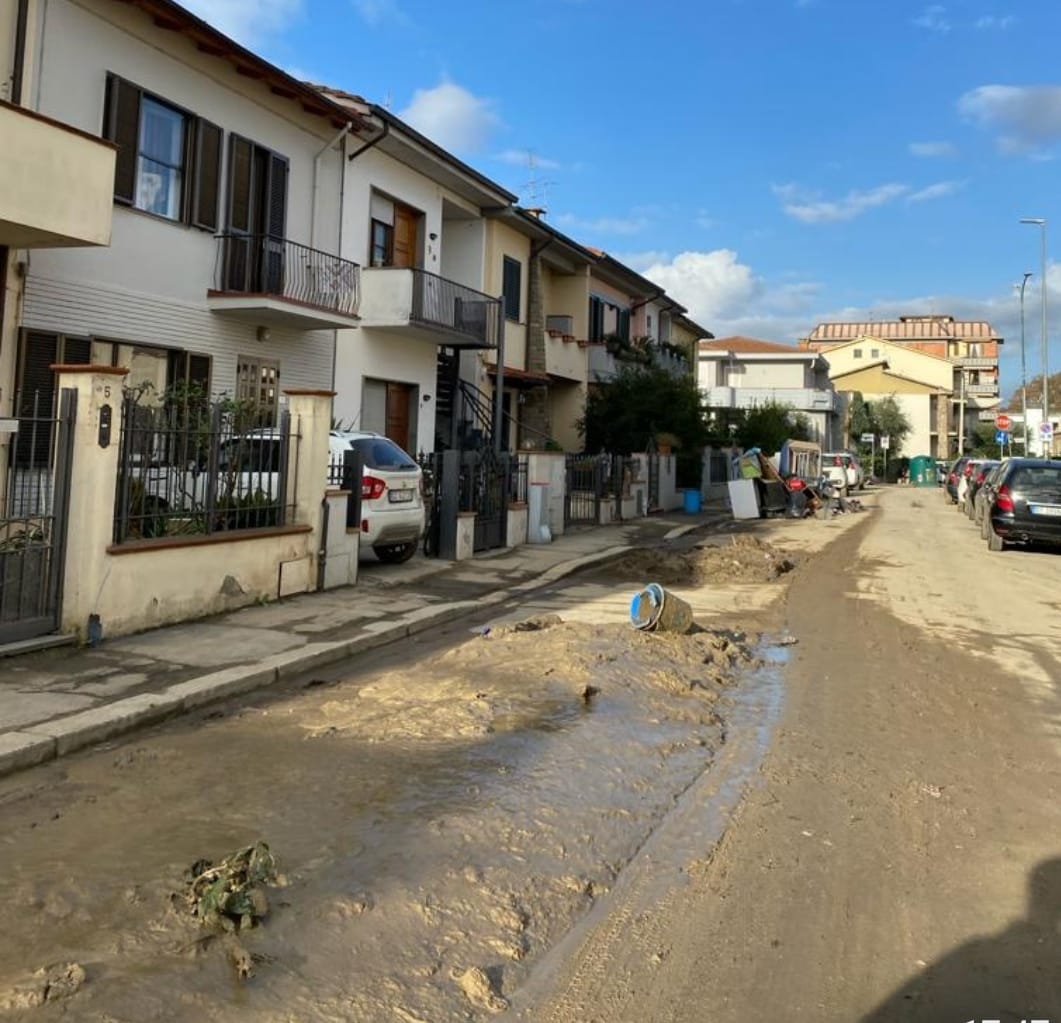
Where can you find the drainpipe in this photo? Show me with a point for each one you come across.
(18, 67)
(346, 129)
(372, 142)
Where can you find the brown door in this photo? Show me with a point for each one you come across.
(399, 415)
(405, 224)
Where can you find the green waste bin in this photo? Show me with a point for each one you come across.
(923, 471)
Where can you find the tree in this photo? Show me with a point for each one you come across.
(883, 417)
(625, 414)
(769, 426)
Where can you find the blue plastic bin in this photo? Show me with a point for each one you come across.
(691, 502)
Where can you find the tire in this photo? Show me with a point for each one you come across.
(994, 541)
(396, 553)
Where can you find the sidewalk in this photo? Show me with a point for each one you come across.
(56, 701)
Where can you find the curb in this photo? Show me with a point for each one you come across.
(49, 740)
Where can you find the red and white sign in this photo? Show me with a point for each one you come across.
(1002, 421)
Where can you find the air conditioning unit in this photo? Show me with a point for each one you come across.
(560, 324)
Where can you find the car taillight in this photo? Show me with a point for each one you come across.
(1003, 501)
(372, 487)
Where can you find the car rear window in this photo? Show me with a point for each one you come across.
(1037, 479)
(382, 453)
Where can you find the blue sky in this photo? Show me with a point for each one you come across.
(773, 163)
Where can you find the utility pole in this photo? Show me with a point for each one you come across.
(1023, 367)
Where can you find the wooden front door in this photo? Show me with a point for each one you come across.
(405, 228)
(399, 415)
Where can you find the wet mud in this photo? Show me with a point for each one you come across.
(439, 825)
(737, 559)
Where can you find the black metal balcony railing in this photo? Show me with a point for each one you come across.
(454, 307)
(255, 264)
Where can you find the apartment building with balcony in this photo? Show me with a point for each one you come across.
(970, 346)
(744, 373)
(220, 178)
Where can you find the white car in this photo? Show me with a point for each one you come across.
(843, 469)
(392, 493)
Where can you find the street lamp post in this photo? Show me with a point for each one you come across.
(1040, 222)
(1023, 366)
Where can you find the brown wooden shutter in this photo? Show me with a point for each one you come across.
(206, 171)
(77, 351)
(122, 127)
(240, 168)
(276, 199)
(199, 372)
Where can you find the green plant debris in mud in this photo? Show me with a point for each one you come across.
(230, 895)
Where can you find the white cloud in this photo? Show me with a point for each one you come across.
(1024, 118)
(939, 190)
(376, 12)
(603, 225)
(526, 158)
(713, 286)
(452, 117)
(810, 208)
(931, 149)
(933, 19)
(247, 21)
(991, 21)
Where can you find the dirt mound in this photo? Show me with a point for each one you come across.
(743, 559)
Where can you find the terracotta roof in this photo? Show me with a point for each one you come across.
(749, 345)
(519, 377)
(908, 328)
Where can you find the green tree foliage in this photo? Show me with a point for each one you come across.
(1035, 393)
(625, 414)
(769, 426)
(883, 417)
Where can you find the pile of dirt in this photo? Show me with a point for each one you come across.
(743, 559)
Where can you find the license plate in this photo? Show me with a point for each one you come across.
(1053, 510)
(402, 496)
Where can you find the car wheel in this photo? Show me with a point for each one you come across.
(994, 541)
(395, 553)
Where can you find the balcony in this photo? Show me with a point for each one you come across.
(423, 305)
(604, 365)
(56, 183)
(276, 282)
(990, 388)
(976, 362)
(802, 399)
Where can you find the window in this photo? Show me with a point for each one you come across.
(857, 353)
(395, 233)
(606, 318)
(382, 247)
(258, 382)
(168, 161)
(874, 353)
(512, 282)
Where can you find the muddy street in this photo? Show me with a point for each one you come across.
(828, 803)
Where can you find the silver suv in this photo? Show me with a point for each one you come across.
(844, 470)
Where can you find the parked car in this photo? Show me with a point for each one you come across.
(976, 481)
(985, 495)
(844, 470)
(392, 493)
(970, 466)
(1026, 506)
(953, 475)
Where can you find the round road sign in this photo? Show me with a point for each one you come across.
(1002, 421)
(1046, 429)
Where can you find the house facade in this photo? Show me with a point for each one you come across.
(222, 271)
(744, 373)
(971, 347)
(920, 382)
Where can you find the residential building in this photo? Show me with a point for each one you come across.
(971, 346)
(920, 382)
(414, 218)
(222, 270)
(745, 373)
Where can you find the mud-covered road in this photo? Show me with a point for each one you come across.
(581, 823)
(898, 857)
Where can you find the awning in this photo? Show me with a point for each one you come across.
(519, 377)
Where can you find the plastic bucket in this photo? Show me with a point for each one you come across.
(654, 609)
(691, 501)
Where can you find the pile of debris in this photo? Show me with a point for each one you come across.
(742, 559)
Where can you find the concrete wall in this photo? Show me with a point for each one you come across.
(551, 469)
(502, 241)
(140, 585)
(903, 361)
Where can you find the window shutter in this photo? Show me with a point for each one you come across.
(77, 351)
(206, 175)
(624, 324)
(199, 372)
(276, 214)
(511, 281)
(122, 127)
(240, 166)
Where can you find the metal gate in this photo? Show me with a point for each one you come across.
(584, 485)
(484, 480)
(35, 454)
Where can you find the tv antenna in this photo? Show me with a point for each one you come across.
(535, 187)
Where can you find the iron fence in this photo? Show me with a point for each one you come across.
(261, 264)
(198, 468)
